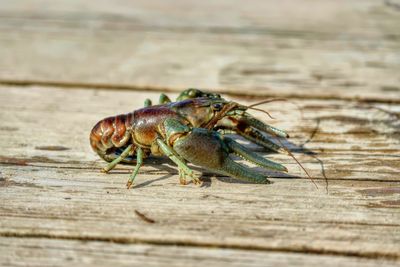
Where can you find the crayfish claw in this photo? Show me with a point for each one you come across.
(211, 150)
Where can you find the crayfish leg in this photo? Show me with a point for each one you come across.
(139, 162)
(184, 170)
(164, 99)
(115, 162)
(147, 103)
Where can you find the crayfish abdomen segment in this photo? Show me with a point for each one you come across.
(111, 133)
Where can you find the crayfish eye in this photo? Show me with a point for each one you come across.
(217, 106)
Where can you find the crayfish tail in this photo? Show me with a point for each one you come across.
(110, 136)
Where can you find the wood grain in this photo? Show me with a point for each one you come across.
(67, 64)
(333, 50)
(48, 252)
(53, 190)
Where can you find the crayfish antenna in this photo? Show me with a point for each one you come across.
(301, 166)
(263, 111)
(277, 136)
(275, 100)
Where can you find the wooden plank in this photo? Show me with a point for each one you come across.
(355, 219)
(254, 50)
(52, 189)
(340, 132)
(48, 252)
(56, 205)
(220, 13)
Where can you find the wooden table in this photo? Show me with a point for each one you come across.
(67, 64)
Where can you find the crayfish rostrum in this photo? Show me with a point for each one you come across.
(189, 130)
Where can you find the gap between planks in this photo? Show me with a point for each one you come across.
(235, 92)
(95, 169)
(192, 243)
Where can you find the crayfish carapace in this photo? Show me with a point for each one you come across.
(189, 130)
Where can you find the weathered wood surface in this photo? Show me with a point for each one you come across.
(326, 49)
(338, 60)
(49, 252)
(54, 197)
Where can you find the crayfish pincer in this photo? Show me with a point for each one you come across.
(211, 150)
(190, 130)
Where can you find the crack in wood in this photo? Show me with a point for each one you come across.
(149, 172)
(123, 23)
(302, 249)
(230, 92)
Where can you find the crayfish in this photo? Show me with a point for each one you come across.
(192, 129)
